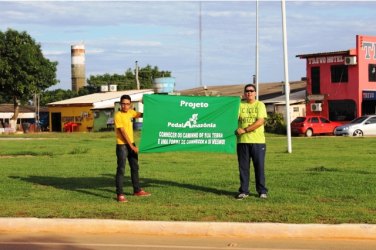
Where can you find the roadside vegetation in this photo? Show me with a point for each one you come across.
(71, 175)
(275, 124)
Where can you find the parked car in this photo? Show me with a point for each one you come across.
(312, 125)
(364, 125)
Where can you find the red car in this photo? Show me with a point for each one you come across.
(312, 125)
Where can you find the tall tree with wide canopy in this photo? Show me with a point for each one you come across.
(24, 71)
(127, 80)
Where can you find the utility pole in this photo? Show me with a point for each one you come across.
(256, 76)
(36, 109)
(200, 44)
(287, 84)
(137, 80)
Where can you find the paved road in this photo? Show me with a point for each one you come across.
(88, 234)
(115, 241)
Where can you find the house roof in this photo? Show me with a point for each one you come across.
(296, 97)
(98, 100)
(107, 99)
(266, 90)
(25, 112)
(340, 52)
(9, 108)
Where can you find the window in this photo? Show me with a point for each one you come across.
(371, 120)
(315, 76)
(314, 120)
(342, 110)
(339, 73)
(295, 109)
(299, 119)
(323, 120)
(372, 72)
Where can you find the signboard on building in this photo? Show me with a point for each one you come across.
(315, 97)
(325, 59)
(189, 123)
(369, 95)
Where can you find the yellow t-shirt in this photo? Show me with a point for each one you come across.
(124, 119)
(248, 114)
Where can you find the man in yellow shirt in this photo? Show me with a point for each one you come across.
(126, 148)
(251, 142)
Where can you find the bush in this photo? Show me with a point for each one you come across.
(275, 124)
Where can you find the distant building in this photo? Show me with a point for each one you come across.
(90, 112)
(265, 91)
(297, 106)
(341, 85)
(272, 94)
(26, 113)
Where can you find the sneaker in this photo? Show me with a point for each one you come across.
(141, 193)
(263, 196)
(241, 196)
(121, 198)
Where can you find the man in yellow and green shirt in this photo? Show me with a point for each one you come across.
(251, 142)
(126, 148)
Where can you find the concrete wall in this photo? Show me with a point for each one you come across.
(82, 115)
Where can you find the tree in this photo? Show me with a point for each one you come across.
(128, 80)
(275, 124)
(148, 74)
(56, 95)
(123, 82)
(23, 69)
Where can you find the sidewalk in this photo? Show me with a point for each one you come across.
(218, 229)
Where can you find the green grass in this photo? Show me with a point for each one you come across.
(71, 175)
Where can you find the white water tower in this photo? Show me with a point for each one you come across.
(78, 66)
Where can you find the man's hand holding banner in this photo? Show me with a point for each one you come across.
(189, 123)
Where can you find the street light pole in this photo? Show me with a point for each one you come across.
(136, 73)
(200, 42)
(286, 70)
(256, 76)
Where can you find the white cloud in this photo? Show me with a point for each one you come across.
(54, 52)
(166, 34)
(94, 51)
(141, 43)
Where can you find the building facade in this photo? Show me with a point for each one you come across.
(297, 105)
(341, 85)
(27, 114)
(90, 112)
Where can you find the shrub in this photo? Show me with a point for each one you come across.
(275, 124)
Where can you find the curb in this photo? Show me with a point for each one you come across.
(215, 229)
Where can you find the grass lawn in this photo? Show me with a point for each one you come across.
(71, 175)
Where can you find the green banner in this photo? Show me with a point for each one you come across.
(189, 123)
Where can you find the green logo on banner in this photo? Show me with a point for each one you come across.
(189, 123)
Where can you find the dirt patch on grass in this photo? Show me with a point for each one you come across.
(22, 138)
(14, 156)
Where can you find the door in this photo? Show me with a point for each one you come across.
(56, 122)
(368, 107)
(315, 80)
(370, 126)
(316, 125)
(326, 127)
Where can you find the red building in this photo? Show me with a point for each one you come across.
(341, 85)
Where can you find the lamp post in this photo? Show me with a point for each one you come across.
(256, 75)
(200, 43)
(286, 70)
(136, 73)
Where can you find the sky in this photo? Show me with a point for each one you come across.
(167, 34)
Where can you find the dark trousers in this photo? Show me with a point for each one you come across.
(255, 152)
(124, 152)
